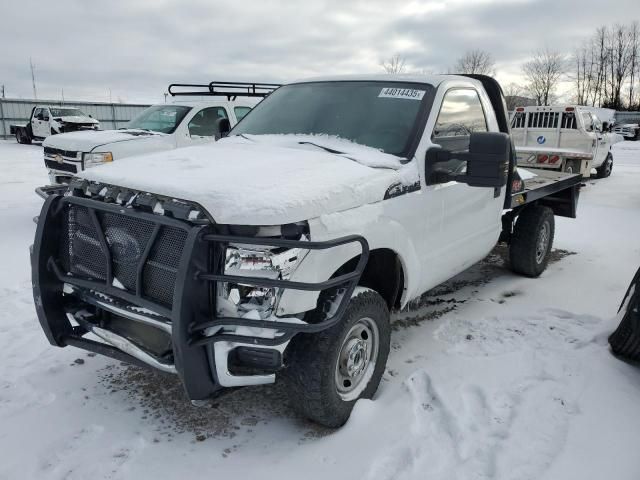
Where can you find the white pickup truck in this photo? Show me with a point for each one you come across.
(630, 131)
(160, 127)
(563, 138)
(278, 252)
(49, 120)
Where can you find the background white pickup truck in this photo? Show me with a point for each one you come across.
(160, 127)
(565, 138)
(46, 120)
(630, 131)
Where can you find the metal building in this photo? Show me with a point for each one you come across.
(110, 115)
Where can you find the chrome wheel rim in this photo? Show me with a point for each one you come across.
(542, 244)
(357, 359)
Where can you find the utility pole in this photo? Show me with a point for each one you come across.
(63, 96)
(33, 79)
(2, 90)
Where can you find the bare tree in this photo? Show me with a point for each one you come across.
(543, 72)
(395, 64)
(476, 61)
(514, 96)
(634, 63)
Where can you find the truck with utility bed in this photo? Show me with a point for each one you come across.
(563, 138)
(51, 120)
(159, 127)
(279, 251)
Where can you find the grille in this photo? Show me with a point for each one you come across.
(65, 167)
(128, 239)
(57, 151)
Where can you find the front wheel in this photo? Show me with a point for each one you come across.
(604, 170)
(532, 240)
(327, 372)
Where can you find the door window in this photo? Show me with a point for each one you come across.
(241, 112)
(38, 114)
(203, 123)
(460, 115)
(588, 122)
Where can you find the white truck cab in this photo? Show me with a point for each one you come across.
(565, 138)
(160, 127)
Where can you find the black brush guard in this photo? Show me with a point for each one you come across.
(193, 309)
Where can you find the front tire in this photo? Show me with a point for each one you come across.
(532, 240)
(327, 372)
(604, 170)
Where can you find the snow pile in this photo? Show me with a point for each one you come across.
(255, 183)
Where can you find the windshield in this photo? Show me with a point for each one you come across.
(381, 115)
(66, 112)
(160, 118)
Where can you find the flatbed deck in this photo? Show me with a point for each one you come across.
(559, 189)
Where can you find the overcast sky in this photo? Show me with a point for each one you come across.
(135, 48)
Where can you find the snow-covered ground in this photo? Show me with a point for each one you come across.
(491, 376)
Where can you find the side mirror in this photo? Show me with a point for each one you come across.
(223, 126)
(487, 161)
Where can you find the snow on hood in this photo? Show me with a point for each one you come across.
(87, 140)
(76, 119)
(256, 183)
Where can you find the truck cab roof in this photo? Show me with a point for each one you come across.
(434, 80)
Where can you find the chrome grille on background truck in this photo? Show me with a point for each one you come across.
(128, 240)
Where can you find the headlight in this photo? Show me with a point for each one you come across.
(93, 159)
(237, 299)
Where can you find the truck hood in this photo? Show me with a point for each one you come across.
(77, 119)
(254, 183)
(86, 141)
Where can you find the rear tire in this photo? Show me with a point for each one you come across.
(327, 372)
(604, 170)
(532, 240)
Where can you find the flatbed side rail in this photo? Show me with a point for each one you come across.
(349, 280)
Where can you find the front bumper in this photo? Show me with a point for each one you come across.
(70, 306)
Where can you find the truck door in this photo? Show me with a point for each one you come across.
(471, 220)
(603, 141)
(39, 125)
(588, 125)
(202, 128)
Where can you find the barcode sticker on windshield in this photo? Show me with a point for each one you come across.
(408, 93)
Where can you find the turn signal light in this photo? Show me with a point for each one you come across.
(543, 158)
(554, 159)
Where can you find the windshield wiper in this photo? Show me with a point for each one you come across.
(326, 149)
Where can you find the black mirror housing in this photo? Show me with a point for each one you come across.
(487, 160)
(223, 127)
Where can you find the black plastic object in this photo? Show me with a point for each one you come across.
(122, 244)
